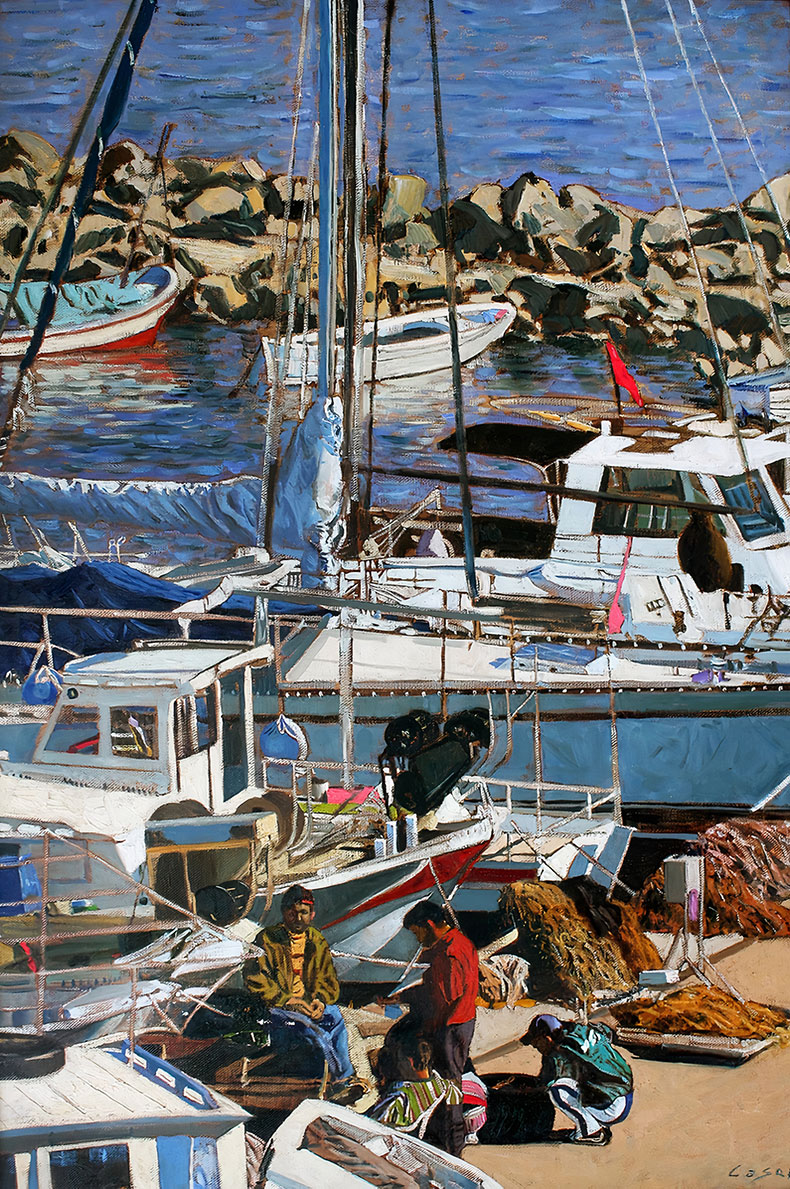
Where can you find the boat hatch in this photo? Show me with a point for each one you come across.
(527, 443)
(414, 330)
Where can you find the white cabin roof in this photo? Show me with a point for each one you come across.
(171, 667)
(97, 1096)
(705, 453)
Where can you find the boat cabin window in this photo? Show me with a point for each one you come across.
(195, 724)
(8, 1171)
(76, 731)
(134, 731)
(187, 1162)
(758, 522)
(645, 520)
(104, 1164)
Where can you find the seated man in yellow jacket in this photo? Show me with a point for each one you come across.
(296, 979)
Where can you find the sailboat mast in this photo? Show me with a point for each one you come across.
(327, 189)
(354, 195)
(458, 396)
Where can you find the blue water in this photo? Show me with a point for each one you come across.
(170, 413)
(544, 85)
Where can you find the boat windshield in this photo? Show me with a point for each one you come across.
(646, 520)
(764, 521)
(76, 731)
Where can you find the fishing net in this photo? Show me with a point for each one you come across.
(705, 1011)
(567, 953)
(747, 874)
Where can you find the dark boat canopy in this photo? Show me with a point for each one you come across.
(538, 444)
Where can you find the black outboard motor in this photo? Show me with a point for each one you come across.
(425, 767)
(410, 733)
(470, 726)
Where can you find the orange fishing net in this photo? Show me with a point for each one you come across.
(747, 873)
(565, 950)
(702, 1010)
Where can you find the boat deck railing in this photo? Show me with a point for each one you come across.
(48, 647)
(40, 907)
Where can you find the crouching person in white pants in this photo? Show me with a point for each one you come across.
(587, 1079)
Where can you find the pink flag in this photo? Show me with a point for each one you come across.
(616, 617)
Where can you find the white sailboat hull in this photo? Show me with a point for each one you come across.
(410, 345)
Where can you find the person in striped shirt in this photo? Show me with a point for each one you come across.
(416, 1100)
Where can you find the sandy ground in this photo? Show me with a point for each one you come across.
(691, 1127)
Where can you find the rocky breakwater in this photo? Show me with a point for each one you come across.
(574, 265)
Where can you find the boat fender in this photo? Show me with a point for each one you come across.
(283, 739)
(42, 687)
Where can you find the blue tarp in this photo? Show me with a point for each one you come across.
(76, 303)
(308, 515)
(108, 586)
(100, 585)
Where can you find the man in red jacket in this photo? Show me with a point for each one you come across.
(443, 1004)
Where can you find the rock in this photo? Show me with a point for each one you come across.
(715, 263)
(280, 187)
(761, 199)
(95, 231)
(665, 228)
(530, 205)
(191, 170)
(213, 203)
(16, 146)
(736, 315)
(771, 355)
(13, 185)
(421, 237)
(404, 199)
(221, 256)
(474, 233)
(254, 169)
(489, 198)
(255, 201)
(219, 296)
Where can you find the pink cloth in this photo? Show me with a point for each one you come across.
(353, 796)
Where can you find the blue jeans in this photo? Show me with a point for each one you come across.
(566, 1094)
(330, 1035)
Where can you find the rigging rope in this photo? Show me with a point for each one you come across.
(310, 257)
(381, 183)
(65, 163)
(724, 391)
(744, 132)
(307, 220)
(758, 267)
(114, 105)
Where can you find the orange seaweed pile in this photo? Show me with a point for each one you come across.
(705, 1011)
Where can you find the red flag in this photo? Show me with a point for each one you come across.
(624, 381)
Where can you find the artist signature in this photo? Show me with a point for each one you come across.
(758, 1174)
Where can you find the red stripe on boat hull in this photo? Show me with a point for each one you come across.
(446, 866)
(494, 875)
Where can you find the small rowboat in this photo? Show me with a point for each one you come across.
(101, 315)
(407, 345)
